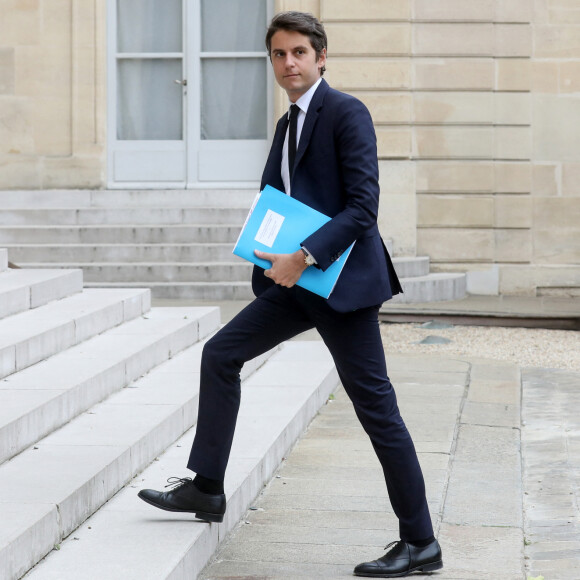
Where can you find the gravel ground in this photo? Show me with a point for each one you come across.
(558, 349)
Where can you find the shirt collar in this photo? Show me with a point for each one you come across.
(304, 101)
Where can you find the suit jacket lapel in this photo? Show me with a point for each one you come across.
(310, 120)
(280, 134)
(272, 174)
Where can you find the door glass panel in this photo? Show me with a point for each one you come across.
(149, 102)
(149, 25)
(234, 98)
(233, 26)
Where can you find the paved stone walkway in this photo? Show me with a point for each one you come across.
(327, 508)
(551, 459)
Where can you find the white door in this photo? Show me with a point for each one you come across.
(189, 92)
(232, 92)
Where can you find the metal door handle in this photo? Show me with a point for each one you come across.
(181, 82)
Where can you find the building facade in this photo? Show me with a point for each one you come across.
(476, 105)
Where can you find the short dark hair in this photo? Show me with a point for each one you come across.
(302, 22)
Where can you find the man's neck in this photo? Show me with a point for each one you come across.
(306, 96)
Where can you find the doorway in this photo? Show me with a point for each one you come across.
(189, 93)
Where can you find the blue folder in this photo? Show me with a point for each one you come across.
(277, 223)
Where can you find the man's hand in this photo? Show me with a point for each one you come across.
(286, 268)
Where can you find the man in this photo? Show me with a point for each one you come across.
(334, 169)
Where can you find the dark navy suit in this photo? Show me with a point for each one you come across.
(336, 172)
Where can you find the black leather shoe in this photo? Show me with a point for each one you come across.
(403, 559)
(185, 497)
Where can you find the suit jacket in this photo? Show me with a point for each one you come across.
(336, 172)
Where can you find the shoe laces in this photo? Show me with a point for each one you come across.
(177, 482)
(391, 544)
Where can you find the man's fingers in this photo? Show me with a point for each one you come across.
(264, 255)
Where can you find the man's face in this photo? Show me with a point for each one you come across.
(294, 62)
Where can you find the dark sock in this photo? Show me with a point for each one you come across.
(206, 485)
(422, 543)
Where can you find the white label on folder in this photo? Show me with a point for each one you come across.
(269, 228)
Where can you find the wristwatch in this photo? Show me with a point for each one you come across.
(308, 259)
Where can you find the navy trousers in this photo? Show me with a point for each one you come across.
(354, 342)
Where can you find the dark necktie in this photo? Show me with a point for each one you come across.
(294, 110)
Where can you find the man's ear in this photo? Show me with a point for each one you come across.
(321, 58)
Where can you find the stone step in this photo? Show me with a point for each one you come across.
(216, 291)
(24, 289)
(70, 253)
(81, 199)
(3, 259)
(122, 216)
(233, 270)
(432, 288)
(223, 281)
(132, 540)
(78, 255)
(237, 270)
(86, 462)
(411, 267)
(34, 335)
(120, 234)
(429, 288)
(47, 395)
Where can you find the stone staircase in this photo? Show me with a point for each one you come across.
(98, 397)
(177, 243)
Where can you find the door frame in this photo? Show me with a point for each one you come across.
(191, 111)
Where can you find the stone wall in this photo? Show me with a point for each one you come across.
(476, 105)
(52, 94)
(477, 110)
(555, 211)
